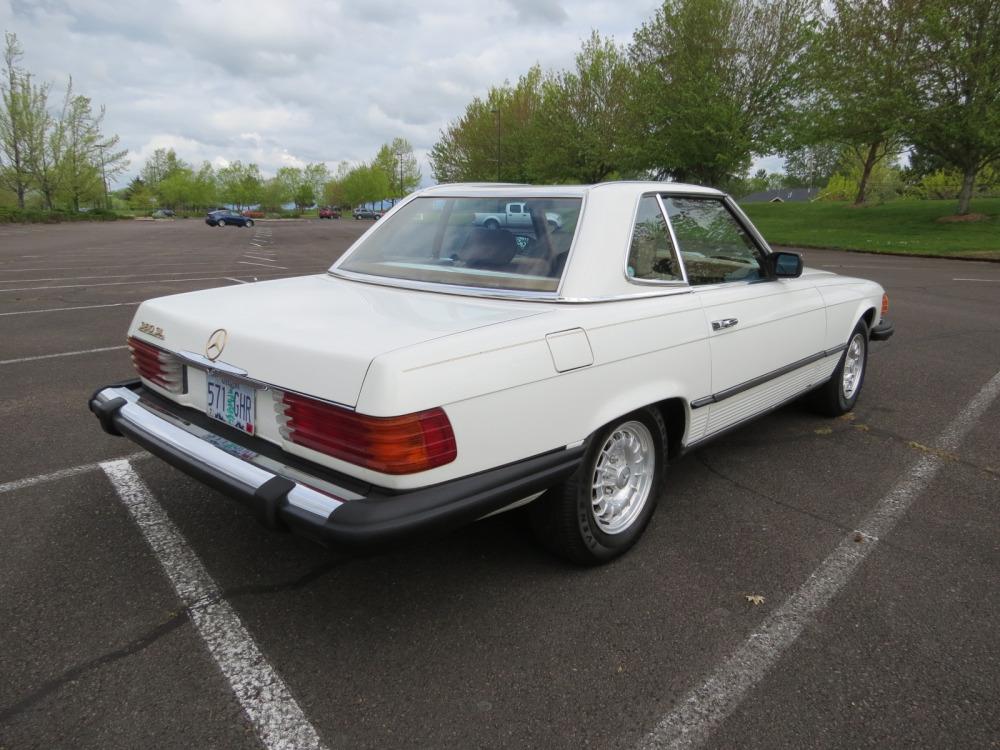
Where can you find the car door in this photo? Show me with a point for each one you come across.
(765, 333)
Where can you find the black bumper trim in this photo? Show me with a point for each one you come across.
(883, 331)
(383, 516)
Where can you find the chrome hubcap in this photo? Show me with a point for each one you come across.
(623, 477)
(854, 365)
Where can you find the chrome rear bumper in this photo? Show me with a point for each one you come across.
(311, 502)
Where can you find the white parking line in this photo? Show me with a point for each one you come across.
(73, 471)
(705, 707)
(113, 276)
(269, 260)
(60, 354)
(275, 715)
(992, 281)
(248, 263)
(110, 283)
(91, 267)
(63, 309)
(238, 281)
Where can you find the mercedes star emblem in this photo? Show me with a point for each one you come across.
(216, 343)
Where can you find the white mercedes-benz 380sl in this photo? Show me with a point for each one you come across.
(442, 371)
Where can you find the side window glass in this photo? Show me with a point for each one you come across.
(714, 246)
(651, 256)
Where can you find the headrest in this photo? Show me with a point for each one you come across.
(489, 247)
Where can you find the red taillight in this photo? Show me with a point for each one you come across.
(390, 445)
(157, 366)
(885, 303)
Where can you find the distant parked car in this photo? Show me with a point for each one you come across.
(329, 213)
(365, 213)
(163, 213)
(227, 217)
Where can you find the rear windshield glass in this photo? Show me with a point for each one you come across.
(513, 243)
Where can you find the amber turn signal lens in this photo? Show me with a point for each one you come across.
(885, 303)
(390, 445)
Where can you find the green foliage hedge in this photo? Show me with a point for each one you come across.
(38, 216)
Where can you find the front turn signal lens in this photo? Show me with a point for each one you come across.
(885, 304)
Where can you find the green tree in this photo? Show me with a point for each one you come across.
(161, 165)
(813, 165)
(399, 163)
(861, 69)
(314, 176)
(282, 188)
(205, 187)
(46, 146)
(87, 151)
(576, 131)
(333, 193)
(177, 189)
(240, 184)
(365, 184)
(956, 116)
(274, 194)
(492, 139)
(715, 83)
(22, 109)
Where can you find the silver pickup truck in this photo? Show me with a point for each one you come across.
(516, 215)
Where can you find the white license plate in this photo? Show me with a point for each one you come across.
(232, 402)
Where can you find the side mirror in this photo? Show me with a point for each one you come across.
(785, 265)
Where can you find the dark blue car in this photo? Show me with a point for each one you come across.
(226, 217)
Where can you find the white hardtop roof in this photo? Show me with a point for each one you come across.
(500, 190)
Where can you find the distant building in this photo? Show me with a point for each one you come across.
(784, 195)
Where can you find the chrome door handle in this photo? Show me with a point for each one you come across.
(719, 325)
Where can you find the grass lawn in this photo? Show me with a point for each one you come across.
(905, 227)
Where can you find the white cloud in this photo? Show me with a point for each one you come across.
(291, 83)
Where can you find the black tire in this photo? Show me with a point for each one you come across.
(836, 396)
(250, 222)
(491, 224)
(564, 518)
(221, 223)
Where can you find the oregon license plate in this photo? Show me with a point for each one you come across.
(232, 402)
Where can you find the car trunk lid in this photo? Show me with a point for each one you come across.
(316, 335)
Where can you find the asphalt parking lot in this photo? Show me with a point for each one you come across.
(874, 541)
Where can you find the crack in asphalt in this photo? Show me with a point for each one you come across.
(715, 471)
(73, 673)
(159, 631)
(296, 583)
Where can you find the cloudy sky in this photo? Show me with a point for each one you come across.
(287, 82)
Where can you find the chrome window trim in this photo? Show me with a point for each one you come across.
(744, 223)
(545, 297)
(573, 243)
(673, 238)
(673, 241)
(436, 288)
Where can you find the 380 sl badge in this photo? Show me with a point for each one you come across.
(150, 330)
